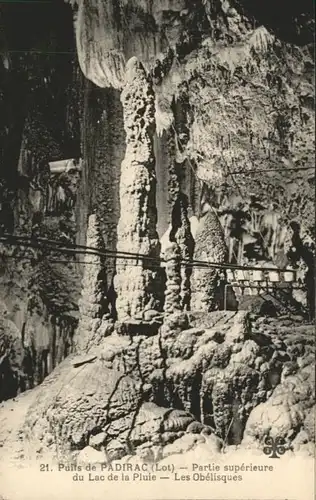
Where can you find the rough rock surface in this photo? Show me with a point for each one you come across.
(263, 68)
(181, 233)
(209, 247)
(93, 302)
(137, 286)
(284, 413)
(220, 361)
(103, 149)
(213, 49)
(34, 202)
(91, 408)
(104, 44)
(77, 402)
(13, 368)
(207, 381)
(173, 279)
(289, 409)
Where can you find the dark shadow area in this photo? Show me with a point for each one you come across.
(292, 22)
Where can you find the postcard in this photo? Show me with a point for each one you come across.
(157, 250)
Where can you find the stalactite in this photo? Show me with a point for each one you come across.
(137, 286)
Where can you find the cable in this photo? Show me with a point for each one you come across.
(127, 256)
(63, 261)
(71, 246)
(156, 267)
(186, 262)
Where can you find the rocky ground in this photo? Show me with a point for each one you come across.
(206, 384)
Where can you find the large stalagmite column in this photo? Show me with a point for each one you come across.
(210, 246)
(137, 286)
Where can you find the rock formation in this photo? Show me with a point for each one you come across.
(173, 282)
(105, 396)
(181, 233)
(289, 409)
(107, 35)
(93, 301)
(207, 378)
(137, 282)
(209, 247)
(13, 367)
(40, 107)
(153, 386)
(200, 51)
(103, 149)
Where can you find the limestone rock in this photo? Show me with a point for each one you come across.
(153, 426)
(225, 377)
(285, 410)
(104, 44)
(300, 440)
(223, 364)
(116, 450)
(181, 234)
(195, 427)
(212, 442)
(174, 322)
(90, 456)
(148, 423)
(173, 283)
(183, 444)
(127, 400)
(92, 304)
(309, 424)
(74, 403)
(277, 421)
(151, 314)
(97, 440)
(146, 453)
(137, 286)
(209, 247)
(12, 359)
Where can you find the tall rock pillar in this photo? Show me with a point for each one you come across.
(137, 283)
(181, 234)
(210, 247)
(173, 284)
(93, 302)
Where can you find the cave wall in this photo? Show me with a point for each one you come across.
(40, 105)
(103, 149)
(108, 34)
(217, 68)
(162, 173)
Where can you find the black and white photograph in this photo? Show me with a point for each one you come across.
(157, 250)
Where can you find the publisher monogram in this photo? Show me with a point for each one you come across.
(274, 447)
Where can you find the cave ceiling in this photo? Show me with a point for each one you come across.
(208, 41)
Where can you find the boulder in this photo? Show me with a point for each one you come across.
(90, 456)
(75, 403)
